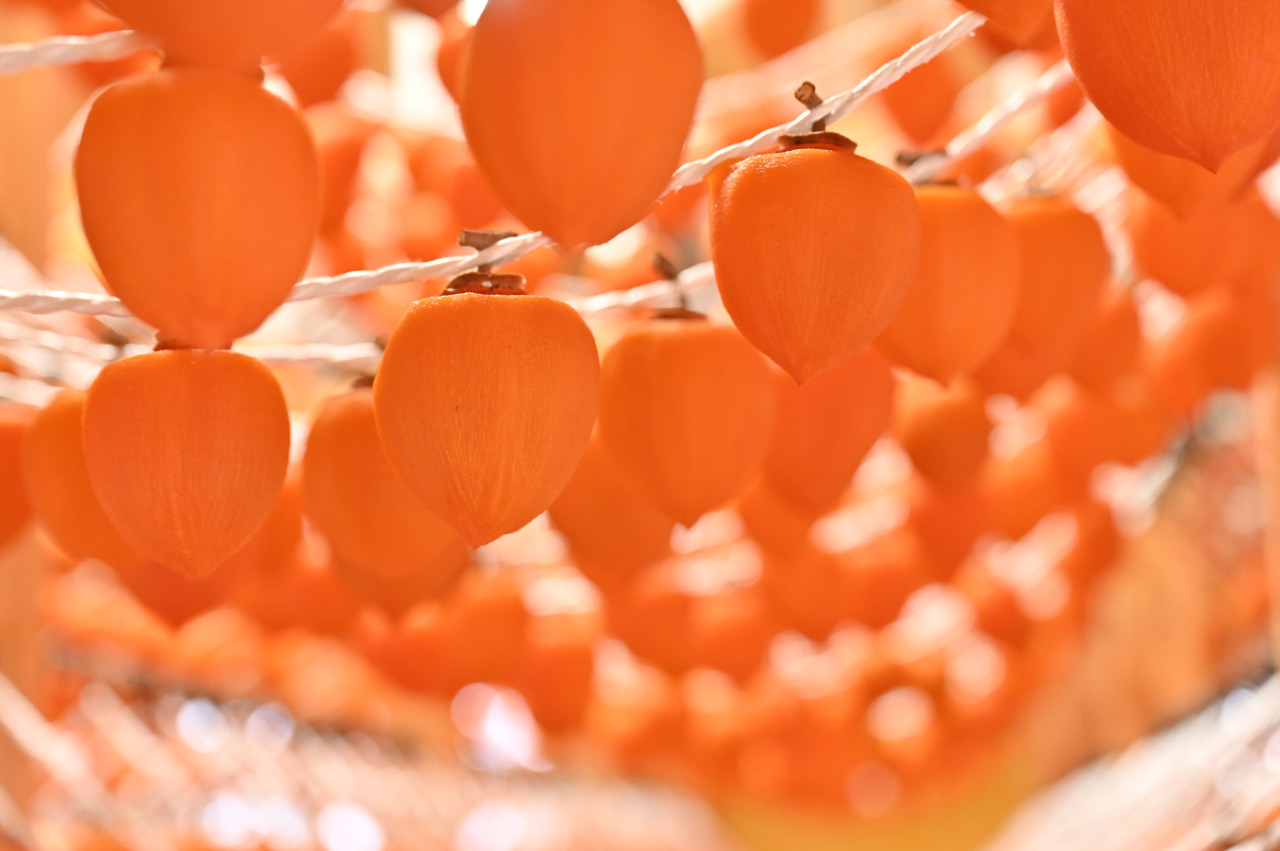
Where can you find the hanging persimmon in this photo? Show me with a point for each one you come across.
(948, 521)
(651, 616)
(877, 577)
(731, 630)
(303, 594)
(945, 430)
(485, 620)
(485, 403)
(814, 248)
(1217, 92)
(1065, 269)
(187, 452)
(774, 27)
(555, 668)
(777, 524)
(962, 300)
(1021, 490)
(173, 598)
(233, 34)
(687, 411)
(1110, 346)
(580, 147)
(1214, 244)
(57, 483)
(274, 547)
(199, 193)
(371, 519)
(1017, 20)
(922, 101)
(317, 67)
(455, 37)
(805, 589)
(825, 428)
(15, 509)
(1179, 184)
(613, 529)
(411, 651)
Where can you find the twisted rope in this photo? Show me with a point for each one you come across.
(71, 50)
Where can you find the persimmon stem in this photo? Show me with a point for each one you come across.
(807, 94)
(482, 239)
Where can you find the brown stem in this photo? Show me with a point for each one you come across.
(807, 94)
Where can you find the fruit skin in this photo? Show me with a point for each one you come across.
(577, 110)
(15, 509)
(964, 296)
(1191, 78)
(372, 520)
(814, 249)
(225, 33)
(187, 451)
(825, 428)
(485, 404)
(57, 483)
(200, 197)
(687, 410)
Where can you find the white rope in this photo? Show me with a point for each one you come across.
(511, 249)
(71, 49)
(838, 107)
(977, 135)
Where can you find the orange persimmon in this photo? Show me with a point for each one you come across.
(612, 527)
(825, 428)
(372, 520)
(15, 509)
(1109, 348)
(1179, 184)
(317, 67)
(944, 430)
(231, 34)
(687, 411)
(1190, 78)
(577, 110)
(962, 300)
(814, 248)
(774, 27)
(485, 404)
(57, 482)
(200, 197)
(1018, 20)
(187, 452)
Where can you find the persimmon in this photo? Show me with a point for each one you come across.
(1214, 244)
(411, 651)
(317, 67)
(15, 508)
(485, 404)
(1109, 347)
(444, 165)
(273, 548)
(199, 194)
(555, 668)
(233, 34)
(57, 483)
(1021, 490)
(922, 101)
(455, 37)
(1065, 268)
(878, 576)
(777, 524)
(1218, 92)
(651, 615)
(372, 520)
(1018, 20)
(825, 428)
(814, 248)
(731, 630)
(187, 452)
(1018, 368)
(947, 520)
(549, 135)
(485, 620)
(612, 527)
(805, 590)
(1179, 184)
(944, 430)
(687, 411)
(962, 300)
(172, 597)
(774, 27)
(303, 594)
